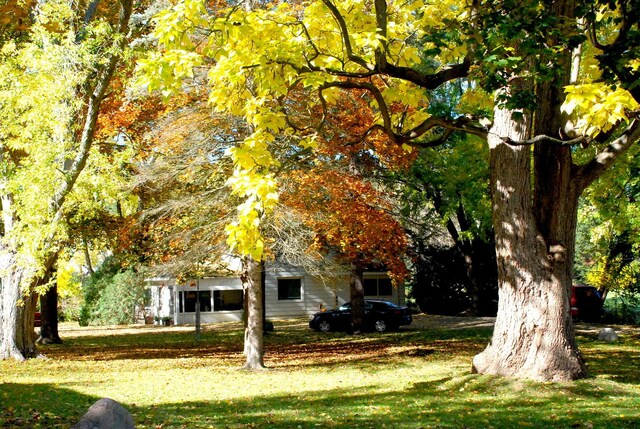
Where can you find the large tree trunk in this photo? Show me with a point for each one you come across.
(17, 310)
(535, 238)
(533, 335)
(254, 329)
(17, 336)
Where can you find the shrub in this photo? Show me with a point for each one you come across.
(622, 307)
(112, 296)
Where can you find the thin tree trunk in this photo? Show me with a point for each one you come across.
(254, 329)
(87, 256)
(49, 304)
(263, 293)
(357, 300)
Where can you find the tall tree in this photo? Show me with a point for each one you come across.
(188, 206)
(351, 220)
(396, 53)
(64, 130)
(535, 222)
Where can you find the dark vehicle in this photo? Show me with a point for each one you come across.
(586, 303)
(380, 316)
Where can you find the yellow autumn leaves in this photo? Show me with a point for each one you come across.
(254, 58)
(598, 107)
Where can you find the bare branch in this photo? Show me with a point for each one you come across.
(581, 140)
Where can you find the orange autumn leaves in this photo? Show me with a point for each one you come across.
(348, 213)
(349, 216)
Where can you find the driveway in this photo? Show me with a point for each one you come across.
(433, 321)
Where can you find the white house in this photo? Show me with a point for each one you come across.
(289, 292)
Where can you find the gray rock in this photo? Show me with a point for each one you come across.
(106, 414)
(608, 335)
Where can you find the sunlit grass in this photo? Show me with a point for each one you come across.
(407, 379)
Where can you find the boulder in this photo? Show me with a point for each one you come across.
(106, 414)
(608, 335)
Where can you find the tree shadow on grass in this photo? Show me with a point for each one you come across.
(625, 370)
(41, 406)
(470, 401)
(147, 345)
(282, 349)
(491, 403)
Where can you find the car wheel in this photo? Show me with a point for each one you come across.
(324, 326)
(380, 325)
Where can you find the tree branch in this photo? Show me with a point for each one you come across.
(427, 81)
(588, 173)
(344, 32)
(93, 110)
(582, 140)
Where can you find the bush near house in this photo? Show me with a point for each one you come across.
(112, 296)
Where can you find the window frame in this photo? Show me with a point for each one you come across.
(290, 297)
(378, 279)
(182, 300)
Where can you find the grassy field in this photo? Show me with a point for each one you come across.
(415, 378)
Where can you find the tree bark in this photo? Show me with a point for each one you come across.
(533, 336)
(254, 329)
(357, 300)
(17, 335)
(11, 329)
(49, 309)
(17, 308)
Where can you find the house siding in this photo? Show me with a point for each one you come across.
(314, 295)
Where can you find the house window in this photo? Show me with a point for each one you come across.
(189, 299)
(378, 287)
(289, 289)
(227, 300)
(210, 300)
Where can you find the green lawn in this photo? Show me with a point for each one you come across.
(408, 379)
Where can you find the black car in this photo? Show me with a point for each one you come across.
(380, 316)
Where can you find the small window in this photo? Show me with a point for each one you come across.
(378, 286)
(289, 289)
(370, 287)
(227, 300)
(384, 287)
